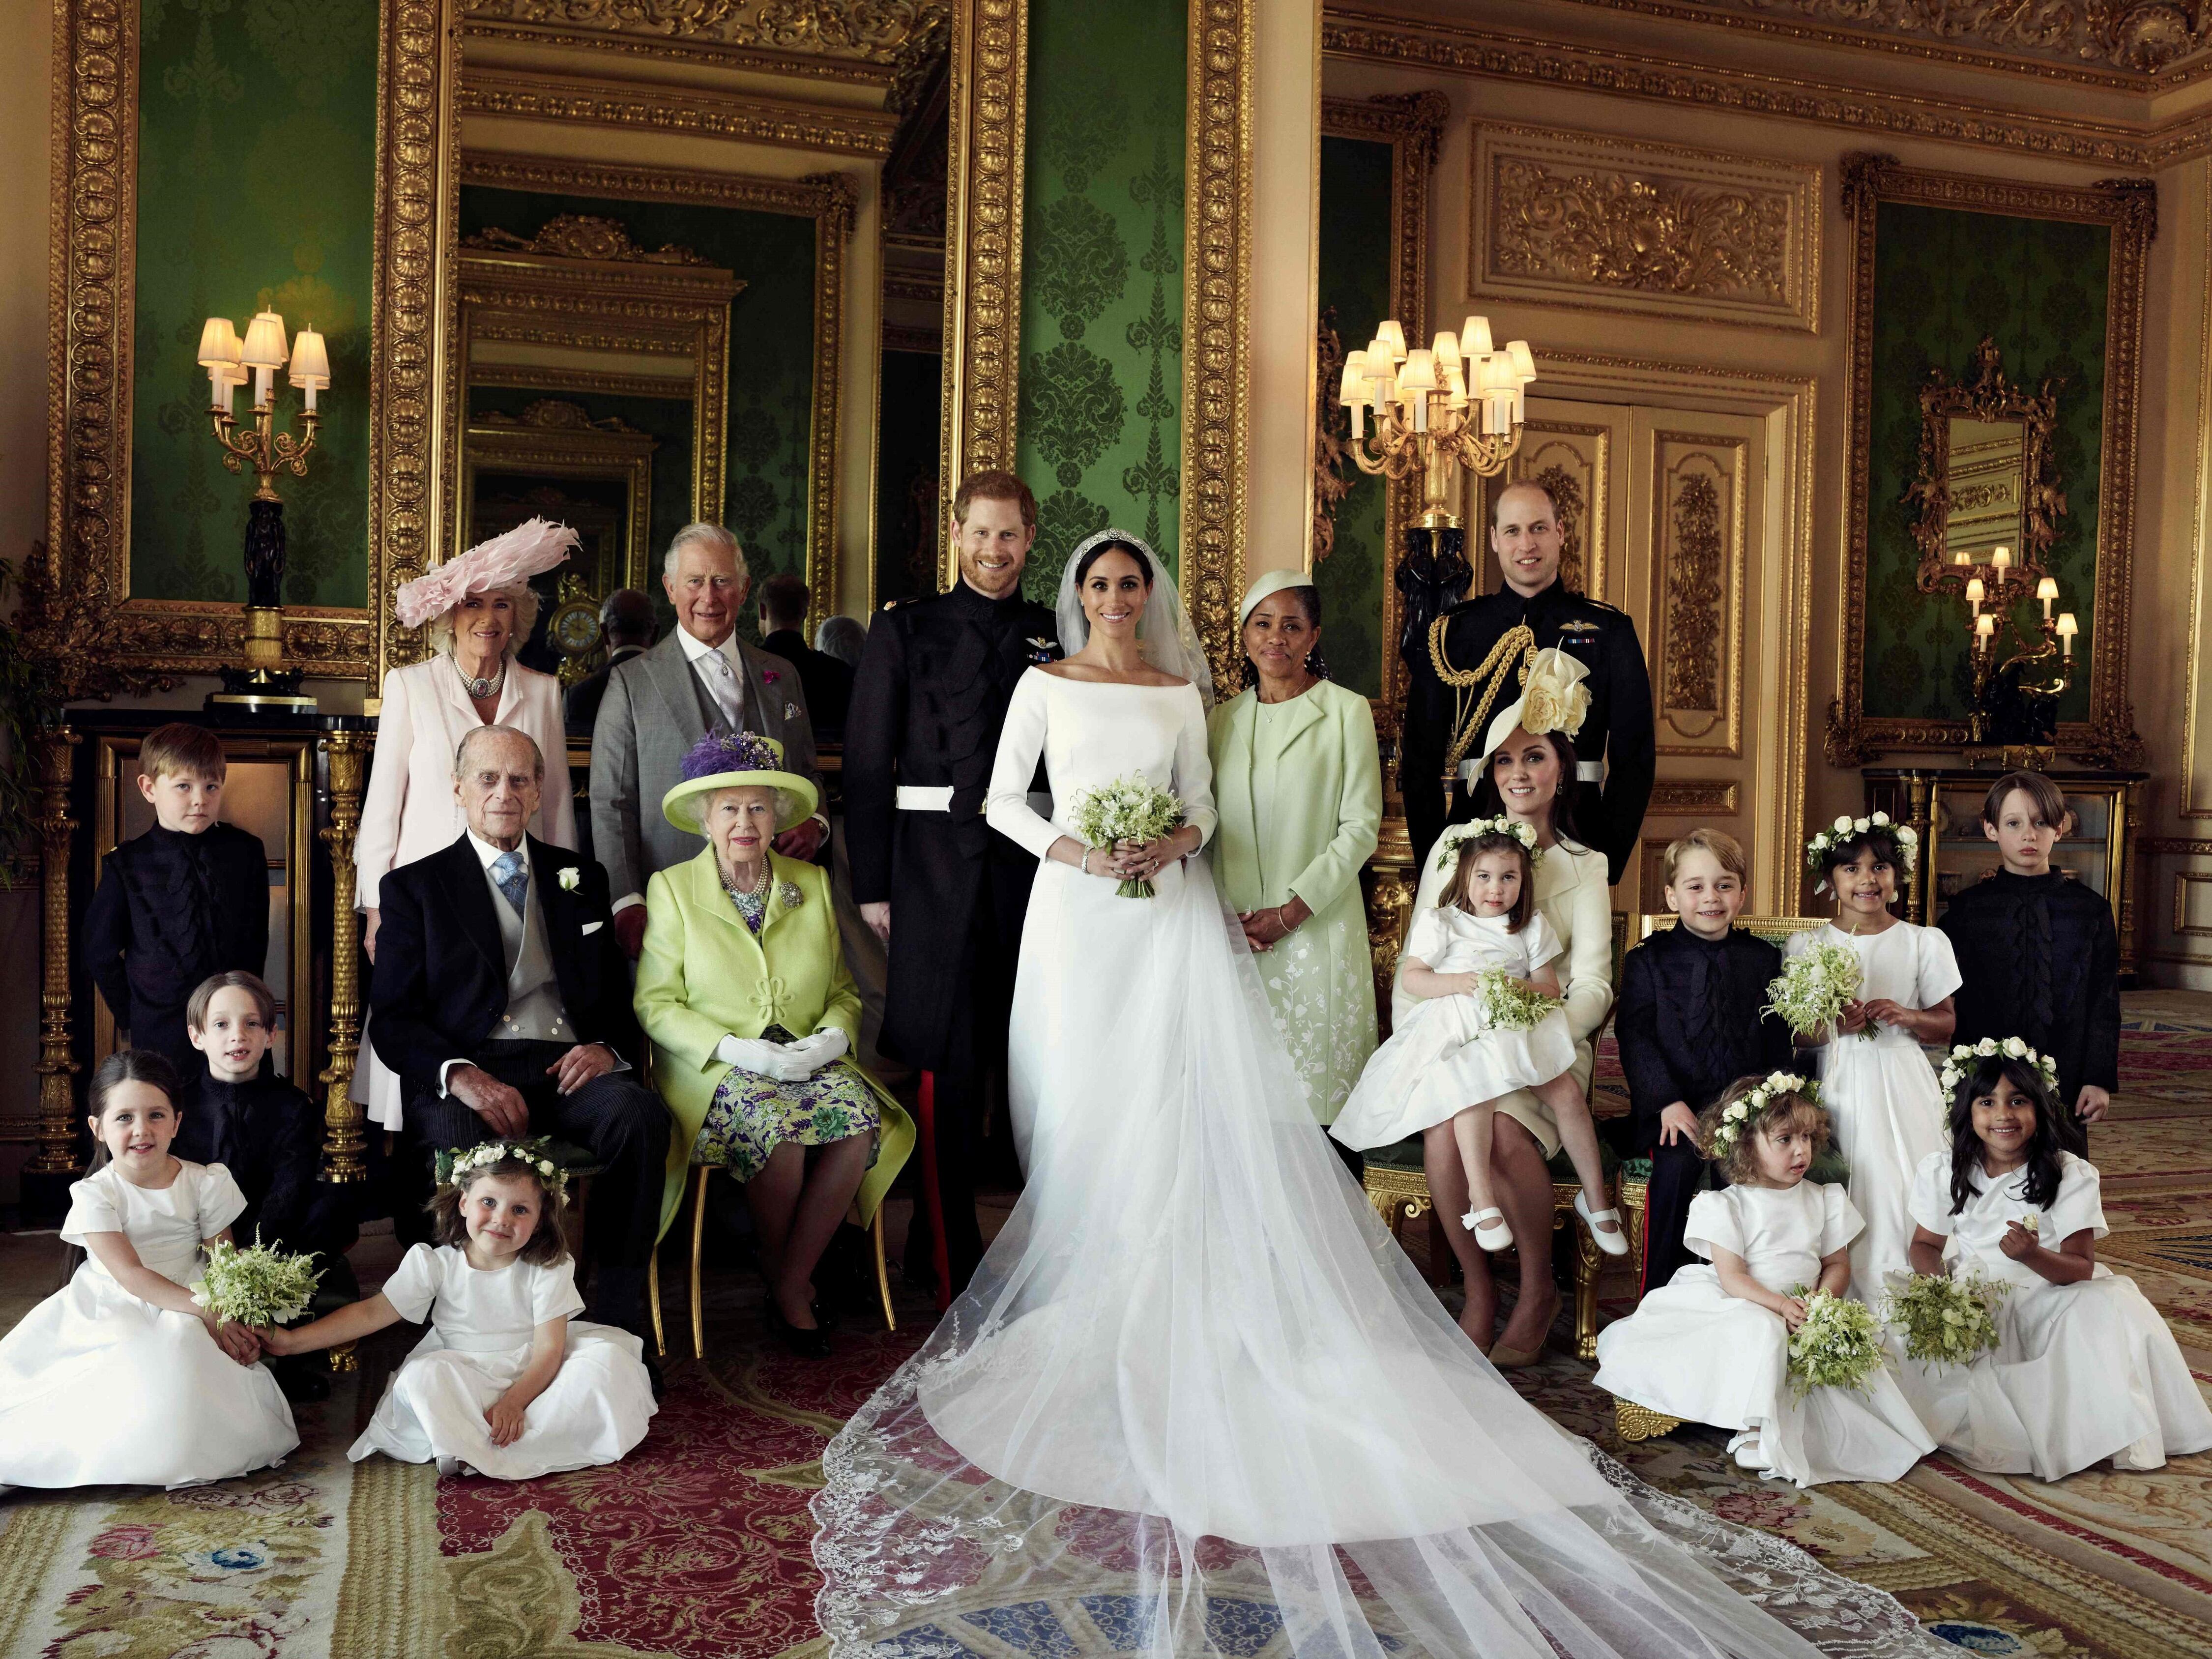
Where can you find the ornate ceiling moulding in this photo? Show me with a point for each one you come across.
(515, 95)
(1535, 64)
(2132, 44)
(1606, 224)
(862, 42)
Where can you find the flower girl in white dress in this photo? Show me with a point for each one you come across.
(1448, 1060)
(507, 1382)
(1877, 1087)
(120, 1377)
(1712, 1343)
(2084, 1367)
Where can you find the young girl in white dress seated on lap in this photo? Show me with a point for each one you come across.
(1875, 1082)
(507, 1382)
(1712, 1343)
(2084, 1367)
(120, 1377)
(1447, 1061)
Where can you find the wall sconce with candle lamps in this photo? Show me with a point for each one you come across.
(2012, 704)
(263, 683)
(1458, 403)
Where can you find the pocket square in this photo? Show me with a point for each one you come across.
(591, 927)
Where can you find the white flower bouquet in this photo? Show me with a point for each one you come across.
(1813, 987)
(1509, 1005)
(256, 1285)
(1838, 1346)
(1950, 1321)
(1128, 809)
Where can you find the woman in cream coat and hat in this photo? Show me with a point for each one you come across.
(1526, 772)
(1298, 785)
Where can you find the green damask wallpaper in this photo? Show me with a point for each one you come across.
(1101, 419)
(1942, 280)
(1356, 192)
(771, 378)
(256, 187)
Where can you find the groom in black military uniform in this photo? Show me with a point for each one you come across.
(1467, 666)
(945, 894)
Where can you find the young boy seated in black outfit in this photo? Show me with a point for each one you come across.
(270, 1136)
(2038, 956)
(188, 898)
(1689, 1024)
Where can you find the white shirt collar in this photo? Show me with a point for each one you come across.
(694, 648)
(488, 854)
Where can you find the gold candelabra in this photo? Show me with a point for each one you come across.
(2002, 586)
(1458, 403)
(263, 683)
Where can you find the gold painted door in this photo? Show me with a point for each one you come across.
(1669, 516)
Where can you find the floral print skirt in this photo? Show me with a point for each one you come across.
(752, 1116)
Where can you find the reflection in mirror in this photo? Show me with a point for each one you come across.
(909, 410)
(1985, 481)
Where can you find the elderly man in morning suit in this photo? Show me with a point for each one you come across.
(703, 678)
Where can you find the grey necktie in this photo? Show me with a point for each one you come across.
(510, 872)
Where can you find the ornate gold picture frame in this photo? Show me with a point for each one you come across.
(2128, 208)
(79, 613)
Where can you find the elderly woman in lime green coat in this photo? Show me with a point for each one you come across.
(743, 989)
(1298, 784)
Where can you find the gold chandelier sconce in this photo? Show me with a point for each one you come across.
(2001, 586)
(1459, 403)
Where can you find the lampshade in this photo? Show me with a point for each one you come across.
(1446, 348)
(2067, 625)
(1474, 338)
(1497, 371)
(1393, 340)
(1419, 372)
(1524, 361)
(311, 363)
(218, 342)
(2001, 559)
(264, 341)
(1985, 626)
(1352, 388)
(1975, 591)
(2047, 588)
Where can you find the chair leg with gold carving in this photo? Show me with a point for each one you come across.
(345, 1357)
(1633, 1422)
(345, 1144)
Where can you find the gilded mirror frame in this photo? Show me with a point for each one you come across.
(574, 448)
(78, 612)
(1990, 396)
(830, 199)
(2129, 208)
(594, 306)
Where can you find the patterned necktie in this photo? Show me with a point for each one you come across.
(510, 872)
(722, 683)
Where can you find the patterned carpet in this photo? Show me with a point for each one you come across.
(698, 1544)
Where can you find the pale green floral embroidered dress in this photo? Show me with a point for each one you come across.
(1299, 789)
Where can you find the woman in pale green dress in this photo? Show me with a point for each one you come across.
(1298, 785)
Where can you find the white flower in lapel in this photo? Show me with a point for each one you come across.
(570, 878)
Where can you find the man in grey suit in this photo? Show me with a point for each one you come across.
(658, 704)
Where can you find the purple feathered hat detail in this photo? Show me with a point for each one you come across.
(730, 751)
(736, 760)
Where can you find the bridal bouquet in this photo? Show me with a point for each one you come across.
(1838, 1346)
(1951, 1322)
(256, 1285)
(1813, 988)
(1128, 809)
(1509, 1005)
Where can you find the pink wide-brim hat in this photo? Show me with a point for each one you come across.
(505, 561)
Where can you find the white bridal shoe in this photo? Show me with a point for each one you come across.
(1489, 1228)
(1613, 1243)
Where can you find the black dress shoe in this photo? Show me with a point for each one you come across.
(807, 1345)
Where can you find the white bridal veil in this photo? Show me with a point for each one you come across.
(1165, 631)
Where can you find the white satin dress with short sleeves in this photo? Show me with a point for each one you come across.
(1194, 1395)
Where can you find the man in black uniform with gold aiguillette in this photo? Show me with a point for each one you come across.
(945, 894)
(1468, 666)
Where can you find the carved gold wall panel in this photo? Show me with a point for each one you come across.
(1575, 462)
(1698, 556)
(868, 41)
(519, 95)
(1609, 224)
(1702, 797)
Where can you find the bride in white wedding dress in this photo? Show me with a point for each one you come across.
(1195, 1401)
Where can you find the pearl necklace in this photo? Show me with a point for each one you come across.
(479, 690)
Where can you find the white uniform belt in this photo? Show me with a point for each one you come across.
(1469, 770)
(938, 798)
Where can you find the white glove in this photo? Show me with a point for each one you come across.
(818, 1050)
(762, 1058)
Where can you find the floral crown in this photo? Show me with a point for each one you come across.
(1903, 837)
(454, 1166)
(1747, 1108)
(1459, 834)
(2011, 1048)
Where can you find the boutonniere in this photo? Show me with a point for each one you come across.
(1042, 649)
(769, 677)
(789, 893)
(570, 878)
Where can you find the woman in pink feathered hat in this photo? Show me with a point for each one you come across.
(479, 609)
